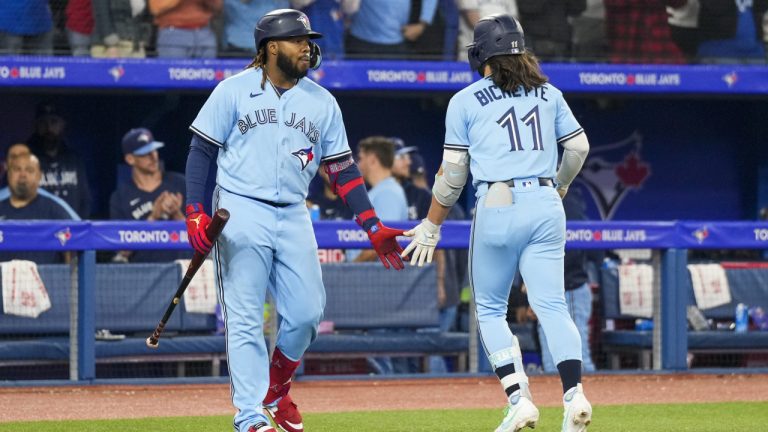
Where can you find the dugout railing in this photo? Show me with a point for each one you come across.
(667, 344)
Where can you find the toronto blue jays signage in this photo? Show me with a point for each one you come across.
(382, 75)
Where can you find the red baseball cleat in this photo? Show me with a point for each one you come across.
(286, 415)
(261, 427)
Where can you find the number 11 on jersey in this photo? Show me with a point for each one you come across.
(509, 121)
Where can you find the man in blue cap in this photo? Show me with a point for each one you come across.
(418, 196)
(151, 194)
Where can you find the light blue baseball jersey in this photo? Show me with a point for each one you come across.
(509, 134)
(271, 145)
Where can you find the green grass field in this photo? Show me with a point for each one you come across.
(736, 416)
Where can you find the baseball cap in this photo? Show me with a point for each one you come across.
(400, 147)
(140, 142)
(417, 163)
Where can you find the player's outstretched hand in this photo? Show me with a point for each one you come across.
(384, 241)
(197, 222)
(425, 238)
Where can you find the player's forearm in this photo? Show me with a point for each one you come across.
(574, 153)
(347, 183)
(201, 156)
(437, 212)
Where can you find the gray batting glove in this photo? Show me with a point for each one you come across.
(425, 238)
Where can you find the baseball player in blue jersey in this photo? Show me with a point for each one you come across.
(504, 129)
(269, 129)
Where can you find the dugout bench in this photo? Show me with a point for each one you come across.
(374, 311)
(747, 285)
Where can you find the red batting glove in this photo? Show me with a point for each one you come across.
(197, 223)
(384, 241)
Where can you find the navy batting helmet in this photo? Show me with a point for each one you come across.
(497, 34)
(283, 23)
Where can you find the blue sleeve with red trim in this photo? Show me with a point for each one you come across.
(201, 156)
(348, 184)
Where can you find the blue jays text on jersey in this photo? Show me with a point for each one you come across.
(269, 116)
(262, 133)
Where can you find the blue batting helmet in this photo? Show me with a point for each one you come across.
(497, 34)
(283, 23)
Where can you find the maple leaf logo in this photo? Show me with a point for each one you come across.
(633, 172)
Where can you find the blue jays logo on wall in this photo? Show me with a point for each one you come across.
(612, 170)
(305, 155)
(64, 236)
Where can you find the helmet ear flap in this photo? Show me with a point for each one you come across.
(315, 56)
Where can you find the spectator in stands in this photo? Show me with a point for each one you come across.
(239, 19)
(589, 42)
(684, 28)
(578, 289)
(26, 27)
(430, 45)
(183, 27)
(547, 29)
(105, 35)
(418, 198)
(638, 32)
(380, 29)
(63, 170)
(151, 195)
(376, 156)
(79, 25)
(732, 31)
(22, 150)
(120, 28)
(470, 11)
(24, 203)
(328, 17)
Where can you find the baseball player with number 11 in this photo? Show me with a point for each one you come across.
(505, 128)
(270, 129)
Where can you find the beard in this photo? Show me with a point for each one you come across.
(22, 191)
(289, 68)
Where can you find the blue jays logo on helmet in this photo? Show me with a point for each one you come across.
(497, 34)
(305, 155)
(304, 20)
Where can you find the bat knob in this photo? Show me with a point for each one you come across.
(152, 343)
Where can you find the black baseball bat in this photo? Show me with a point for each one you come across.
(213, 230)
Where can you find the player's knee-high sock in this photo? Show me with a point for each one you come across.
(570, 373)
(281, 370)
